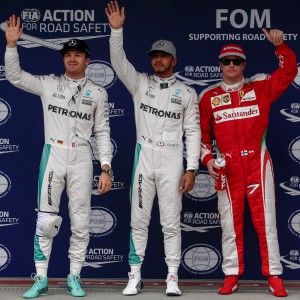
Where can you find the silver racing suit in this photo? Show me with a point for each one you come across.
(69, 116)
(164, 112)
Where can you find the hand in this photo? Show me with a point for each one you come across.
(187, 182)
(12, 31)
(275, 36)
(104, 184)
(211, 166)
(115, 17)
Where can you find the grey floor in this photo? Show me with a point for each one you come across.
(155, 290)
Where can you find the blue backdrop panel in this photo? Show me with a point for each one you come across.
(198, 29)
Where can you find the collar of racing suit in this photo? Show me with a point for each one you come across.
(233, 87)
(73, 83)
(164, 82)
(76, 86)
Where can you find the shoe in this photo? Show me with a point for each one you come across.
(134, 284)
(74, 287)
(172, 285)
(40, 287)
(230, 285)
(276, 286)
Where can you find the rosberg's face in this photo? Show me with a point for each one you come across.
(75, 63)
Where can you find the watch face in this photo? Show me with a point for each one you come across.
(109, 172)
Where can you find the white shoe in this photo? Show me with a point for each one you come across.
(134, 284)
(172, 285)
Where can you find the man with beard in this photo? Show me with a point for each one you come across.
(165, 110)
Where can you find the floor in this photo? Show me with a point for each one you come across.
(13, 288)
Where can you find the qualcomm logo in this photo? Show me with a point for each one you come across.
(294, 149)
(206, 221)
(294, 223)
(101, 73)
(102, 222)
(201, 259)
(97, 257)
(292, 188)
(292, 260)
(5, 184)
(204, 188)
(292, 114)
(5, 257)
(95, 149)
(7, 147)
(5, 111)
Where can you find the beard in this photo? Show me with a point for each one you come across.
(162, 69)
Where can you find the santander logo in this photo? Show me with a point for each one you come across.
(232, 114)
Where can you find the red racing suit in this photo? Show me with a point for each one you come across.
(238, 118)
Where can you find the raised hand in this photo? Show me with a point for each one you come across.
(116, 17)
(275, 36)
(13, 31)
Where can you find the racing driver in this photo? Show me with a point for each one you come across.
(238, 111)
(72, 106)
(164, 110)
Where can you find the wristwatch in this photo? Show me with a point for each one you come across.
(108, 172)
(194, 171)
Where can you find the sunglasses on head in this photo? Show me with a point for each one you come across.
(236, 61)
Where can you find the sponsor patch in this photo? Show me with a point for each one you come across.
(250, 96)
(226, 99)
(87, 102)
(176, 101)
(215, 102)
(220, 100)
(236, 113)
